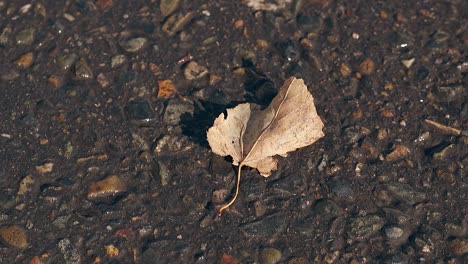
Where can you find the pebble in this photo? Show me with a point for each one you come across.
(451, 93)
(118, 60)
(345, 70)
(219, 196)
(163, 173)
(139, 110)
(176, 110)
(45, 168)
(13, 236)
(446, 153)
(177, 22)
(65, 62)
(167, 7)
(134, 45)
(270, 255)
(57, 81)
(83, 71)
(266, 227)
(172, 144)
(386, 194)
(194, 71)
(309, 23)
(166, 88)
(363, 227)
(25, 36)
(367, 67)
(106, 189)
(227, 259)
(341, 189)
(25, 185)
(399, 152)
(69, 251)
(9, 74)
(326, 210)
(458, 247)
(5, 35)
(25, 60)
(394, 232)
(299, 260)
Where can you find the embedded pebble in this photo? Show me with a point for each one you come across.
(118, 60)
(45, 168)
(266, 227)
(25, 36)
(176, 110)
(167, 7)
(139, 110)
(367, 67)
(65, 62)
(326, 210)
(83, 70)
(394, 232)
(69, 251)
(458, 247)
(194, 71)
(25, 60)
(172, 144)
(270, 255)
(446, 153)
(399, 152)
(13, 236)
(163, 173)
(134, 44)
(108, 188)
(360, 228)
(387, 194)
(5, 35)
(26, 185)
(177, 22)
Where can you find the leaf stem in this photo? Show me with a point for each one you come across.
(220, 212)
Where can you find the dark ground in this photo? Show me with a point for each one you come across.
(102, 161)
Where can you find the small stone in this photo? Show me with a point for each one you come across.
(25, 60)
(309, 23)
(111, 187)
(9, 74)
(118, 60)
(13, 236)
(446, 153)
(167, 7)
(175, 110)
(172, 144)
(227, 259)
(65, 62)
(345, 70)
(363, 227)
(219, 196)
(163, 173)
(70, 252)
(394, 232)
(103, 80)
(165, 88)
(45, 168)
(270, 255)
(194, 71)
(408, 63)
(177, 22)
(139, 110)
(134, 44)
(26, 185)
(367, 67)
(5, 35)
(399, 152)
(450, 93)
(56, 81)
(260, 209)
(458, 247)
(83, 71)
(25, 36)
(266, 227)
(239, 24)
(390, 193)
(111, 250)
(325, 210)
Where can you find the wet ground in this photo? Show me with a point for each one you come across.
(105, 104)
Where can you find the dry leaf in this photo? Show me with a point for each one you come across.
(252, 137)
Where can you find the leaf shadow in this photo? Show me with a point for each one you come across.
(259, 90)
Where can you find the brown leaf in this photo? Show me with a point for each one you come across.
(253, 136)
